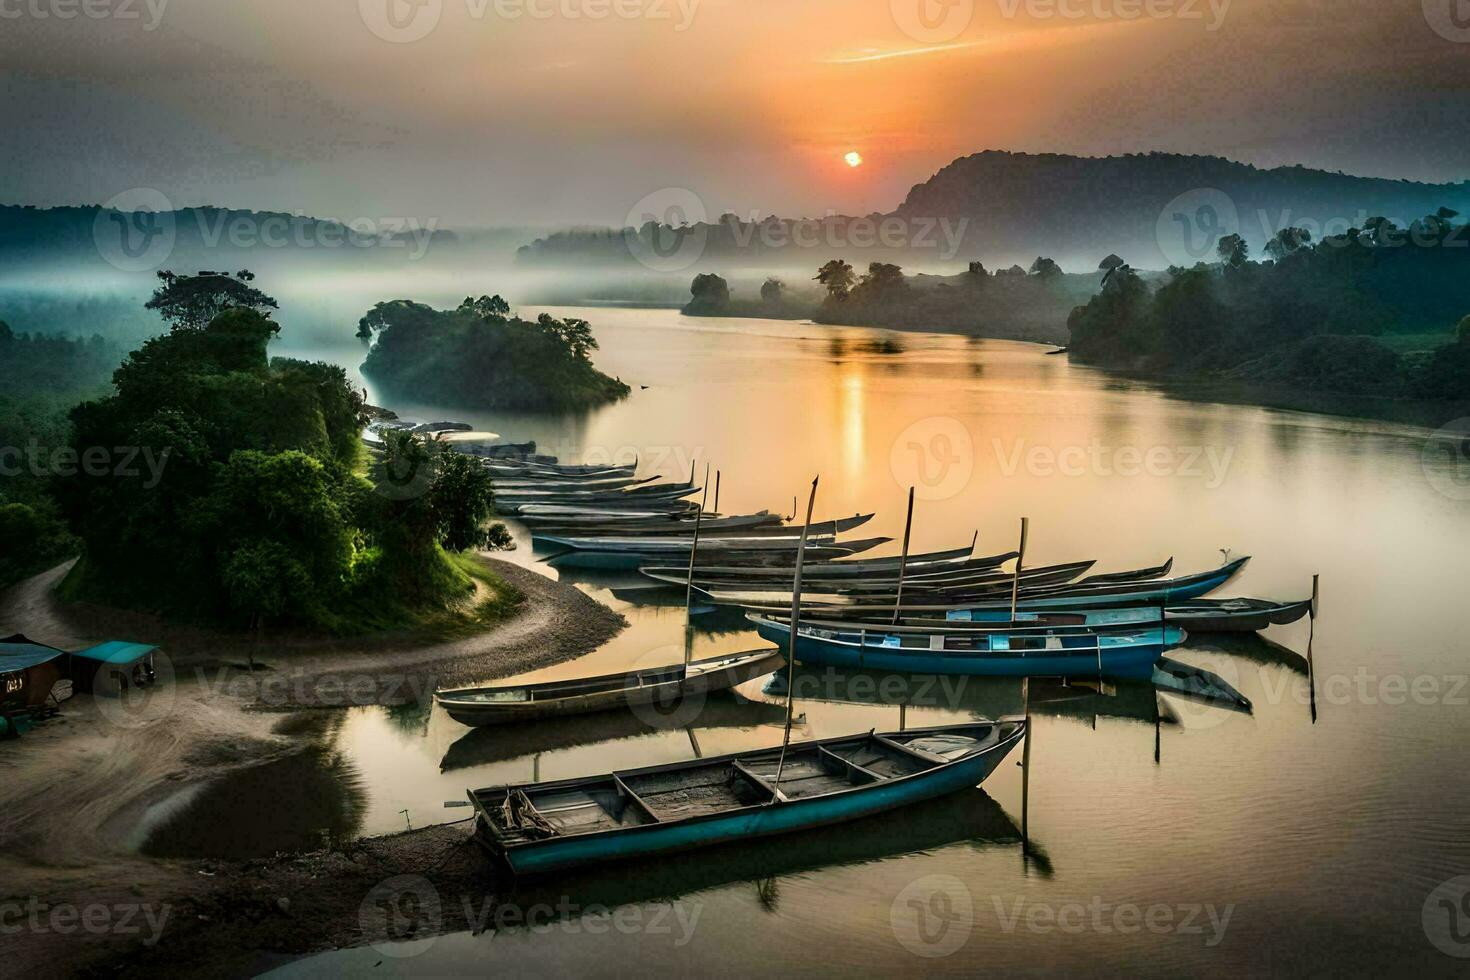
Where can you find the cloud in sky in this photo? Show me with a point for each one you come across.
(491, 118)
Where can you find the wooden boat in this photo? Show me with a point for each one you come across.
(652, 546)
(916, 565)
(668, 502)
(1199, 616)
(1103, 595)
(544, 827)
(507, 466)
(651, 491)
(978, 653)
(764, 525)
(881, 593)
(648, 512)
(632, 560)
(605, 484)
(664, 523)
(508, 703)
(972, 574)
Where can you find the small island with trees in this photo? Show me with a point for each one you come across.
(482, 356)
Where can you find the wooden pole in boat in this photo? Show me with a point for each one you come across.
(1020, 557)
(1312, 635)
(717, 492)
(689, 585)
(1026, 768)
(903, 561)
(791, 648)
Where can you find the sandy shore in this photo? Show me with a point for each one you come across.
(71, 790)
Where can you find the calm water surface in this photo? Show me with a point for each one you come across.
(1314, 846)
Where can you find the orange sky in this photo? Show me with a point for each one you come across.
(496, 117)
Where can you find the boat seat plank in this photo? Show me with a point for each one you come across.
(634, 800)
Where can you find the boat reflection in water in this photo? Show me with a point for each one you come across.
(485, 746)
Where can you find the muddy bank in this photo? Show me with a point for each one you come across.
(71, 790)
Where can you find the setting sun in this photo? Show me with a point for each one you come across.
(854, 158)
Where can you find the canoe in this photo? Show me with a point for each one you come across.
(980, 654)
(508, 703)
(763, 525)
(714, 545)
(633, 560)
(853, 568)
(650, 491)
(1106, 595)
(508, 466)
(544, 827)
(668, 502)
(647, 512)
(879, 594)
(605, 484)
(661, 524)
(1199, 616)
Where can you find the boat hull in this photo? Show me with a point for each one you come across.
(625, 697)
(1122, 657)
(559, 854)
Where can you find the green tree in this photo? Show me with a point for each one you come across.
(1288, 241)
(1233, 251)
(773, 292)
(190, 302)
(1045, 268)
(837, 276)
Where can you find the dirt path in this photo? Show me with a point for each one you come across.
(71, 789)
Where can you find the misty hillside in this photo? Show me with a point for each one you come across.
(1134, 205)
(1155, 210)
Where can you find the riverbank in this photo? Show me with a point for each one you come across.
(72, 790)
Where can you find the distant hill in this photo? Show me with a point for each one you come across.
(1155, 210)
(1133, 205)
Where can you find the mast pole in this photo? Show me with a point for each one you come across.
(1020, 557)
(791, 649)
(689, 583)
(903, 562)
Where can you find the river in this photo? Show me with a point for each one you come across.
(1168, 836)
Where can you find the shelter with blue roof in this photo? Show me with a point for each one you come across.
(28, 672)
(108, 669)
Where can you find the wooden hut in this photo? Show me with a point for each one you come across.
(28, 673)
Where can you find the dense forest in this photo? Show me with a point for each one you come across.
(1328, 314)
(482, 356)
(213, 483)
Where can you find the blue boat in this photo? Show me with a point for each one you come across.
(975, 652)
(542, 827)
